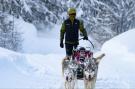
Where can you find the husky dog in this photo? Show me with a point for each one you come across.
(90, 72)
(68, 72)
(69, 79)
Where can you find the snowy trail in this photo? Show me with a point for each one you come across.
(44, 71)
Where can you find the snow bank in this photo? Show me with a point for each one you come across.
(118, 65)
(29, 70)
(11, 74)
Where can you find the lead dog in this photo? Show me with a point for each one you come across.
(89, 82)
(68, 74)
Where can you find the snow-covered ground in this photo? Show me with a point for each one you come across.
(39, 66)
(117, 68)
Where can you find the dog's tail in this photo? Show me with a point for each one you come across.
(62, 67)
(98, 59)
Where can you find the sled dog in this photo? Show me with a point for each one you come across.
(89, 83)
(68, 74)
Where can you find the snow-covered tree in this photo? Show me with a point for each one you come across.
(106, 18)
(10, 38)
(120, 14)
(103, 19)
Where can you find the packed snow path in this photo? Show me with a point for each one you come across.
(41, 71)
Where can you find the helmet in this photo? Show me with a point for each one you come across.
(72, 11)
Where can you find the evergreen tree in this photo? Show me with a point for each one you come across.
(9, 37)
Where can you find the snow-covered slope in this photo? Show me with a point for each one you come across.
(29, 70)
(117, 68)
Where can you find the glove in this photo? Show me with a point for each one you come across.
(61, 44)
(85, 38)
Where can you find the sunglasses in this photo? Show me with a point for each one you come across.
(73, 14)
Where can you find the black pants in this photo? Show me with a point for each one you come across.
(69, 48)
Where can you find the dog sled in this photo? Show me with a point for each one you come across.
(81, 66)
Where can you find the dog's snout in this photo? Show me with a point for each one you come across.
(89, 77)
(67, 78)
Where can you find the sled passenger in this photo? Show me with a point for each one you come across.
(70, 32)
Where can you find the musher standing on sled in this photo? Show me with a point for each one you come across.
(70, 31)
